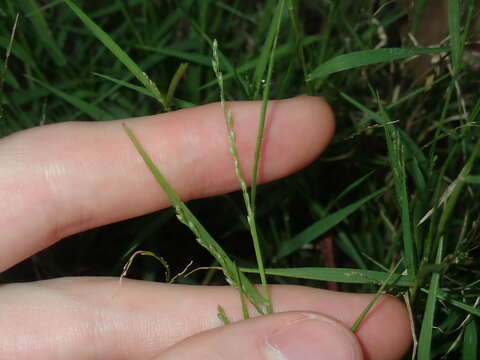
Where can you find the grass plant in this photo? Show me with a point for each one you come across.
(398, 185)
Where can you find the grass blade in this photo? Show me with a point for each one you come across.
(121, 55)
(5, 74)
(454, 28)
(126, 84)
(183, 55)
(91, 110)
(320, 227)
(457, 190)
(222, 316)
(258, 152)
(470, 341)
(347, 246)
(296, 27)
(42, 29)
(367, 57)
(425, 339)
(174, 83)
(268, 48)
(372, 302)
(342, 275)
(397, 160)
(348, 189)
(473, 179)
(471, 309)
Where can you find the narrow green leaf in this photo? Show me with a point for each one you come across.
(183, 55)
(350, 188)
(321, 226)
(121, 55)
(470, 341)
(91, 110)
(263, 111)
(245, 312)
(418, 14)
(473, 179)
(222, 316)
(42, 30)
(126, 84)
(174, 83)
(347, 246)
(342, 275)
(51, 4)
(472, 116)
(236, 12)
(367, 57)
(461, 305)
(298, 35)
(8, 78)
(454, 28)
(458, 185)
(5, 75)
(374, 299)
(425, 339)
(397, 161)
(267, 49)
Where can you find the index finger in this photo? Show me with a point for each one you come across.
(60, 179)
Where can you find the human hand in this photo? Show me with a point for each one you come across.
(60, 179)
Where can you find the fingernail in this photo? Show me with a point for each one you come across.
(313, 338)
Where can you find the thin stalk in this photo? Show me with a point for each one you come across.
(299, 40)
(256, 164)
(236, 161)
(5, 65)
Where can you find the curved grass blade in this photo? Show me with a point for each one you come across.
(91, 110)
(342, 275)
(367, 57)
(121, 55)
(321, 226)
(182, 68)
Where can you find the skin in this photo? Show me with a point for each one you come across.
(57, 180)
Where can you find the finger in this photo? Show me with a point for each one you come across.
(95, 318)
(60, 179)
(285, 336)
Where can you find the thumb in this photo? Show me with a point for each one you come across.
(283, 336)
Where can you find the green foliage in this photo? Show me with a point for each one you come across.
(399, 180)
(366, 57)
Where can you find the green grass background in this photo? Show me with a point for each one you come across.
(405, 139)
